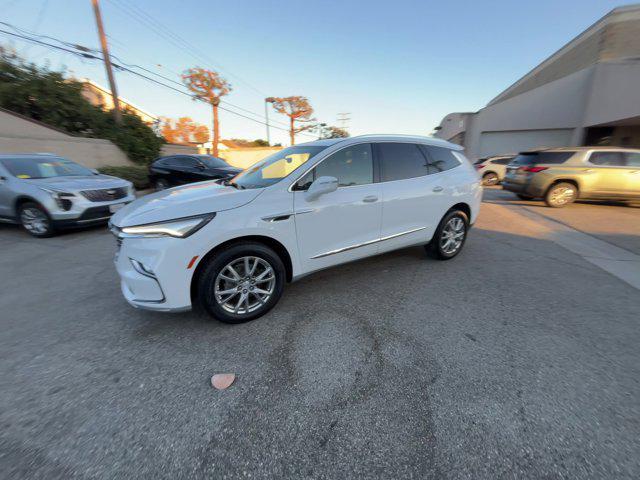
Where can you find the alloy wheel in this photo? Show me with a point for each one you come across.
(244, 285)
(562, 195)
(34, 220)
(452, 235)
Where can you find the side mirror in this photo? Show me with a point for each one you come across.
(321, 186)
(95, 171)
(200, 166)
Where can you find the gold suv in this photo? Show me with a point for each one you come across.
(562, 175)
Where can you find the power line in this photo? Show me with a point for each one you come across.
(161, 30)
(122, 68)
(86, 49)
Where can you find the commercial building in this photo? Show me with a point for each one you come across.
(587, 93)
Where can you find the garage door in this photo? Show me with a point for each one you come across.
(497, 143)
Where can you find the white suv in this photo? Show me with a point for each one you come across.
(233, 246)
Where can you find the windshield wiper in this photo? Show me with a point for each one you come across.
(229, 183)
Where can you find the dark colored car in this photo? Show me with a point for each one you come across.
(175, 170)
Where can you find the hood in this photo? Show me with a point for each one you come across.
(185, 201)
(78, 183)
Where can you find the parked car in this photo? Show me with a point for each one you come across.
(44, 193)
(232, 246)
(562, 175)
(493, 169)
(175, 170)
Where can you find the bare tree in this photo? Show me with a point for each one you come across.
(298, 110)
(210, 87)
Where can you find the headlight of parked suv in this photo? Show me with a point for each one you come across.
(62, 198)
(179, 228)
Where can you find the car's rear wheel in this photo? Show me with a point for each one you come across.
(161, 184)
(35, 220)
(490, 178)
(561, 194)
(242, 282)
(450, 236)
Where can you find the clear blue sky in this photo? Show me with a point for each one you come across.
(397, 66)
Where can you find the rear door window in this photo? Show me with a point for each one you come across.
(503, 161)
(546, 158)
(608, 159)
(440, 158)
(399, 161)
(633, 159)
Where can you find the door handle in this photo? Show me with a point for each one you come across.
(370, 199)
(438, 189)
(589, 170)
(635, 172)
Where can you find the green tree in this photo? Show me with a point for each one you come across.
(51, 98)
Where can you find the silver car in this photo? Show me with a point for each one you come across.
(44, 193)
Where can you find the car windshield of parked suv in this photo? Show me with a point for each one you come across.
(275, 167)
(212, 162)
(547, 158)
(45, 167)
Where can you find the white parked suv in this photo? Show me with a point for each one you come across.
(233, 246)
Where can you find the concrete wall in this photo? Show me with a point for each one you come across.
(173, 149)
(21, 135)
(555, 106)
(245, 157)
(615, 93)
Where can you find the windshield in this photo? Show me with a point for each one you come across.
(45, 167)
(213, 162)
(276, 167)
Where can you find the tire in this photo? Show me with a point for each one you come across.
(561, 194)
(490, 179)
(217, 277)
(437, 247)
(524, 197)
(161, 184)
(36, 220)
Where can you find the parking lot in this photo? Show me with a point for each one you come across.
(517, 358)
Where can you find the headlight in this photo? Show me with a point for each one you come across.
(179, 228)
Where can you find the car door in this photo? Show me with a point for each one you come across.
(633, 164)
(415, 194)
(6, 195)
(607, 175)
(343, 225)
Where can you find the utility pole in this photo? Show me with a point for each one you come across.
(343, 120)
(267, 101)
(117, 116)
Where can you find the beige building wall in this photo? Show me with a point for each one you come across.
(174, 149)
(22, 135)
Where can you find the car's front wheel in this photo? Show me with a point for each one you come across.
(242, 282)
(35, 220)
(450, 236)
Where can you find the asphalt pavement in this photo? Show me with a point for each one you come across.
(517, 359)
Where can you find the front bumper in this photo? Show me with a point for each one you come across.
(84, 212)
(153, 273)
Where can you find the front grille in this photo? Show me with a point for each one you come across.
(105, 195)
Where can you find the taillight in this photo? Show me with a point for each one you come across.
(533, 169)
(480, 166)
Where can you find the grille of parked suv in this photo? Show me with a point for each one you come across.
(105, 195)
